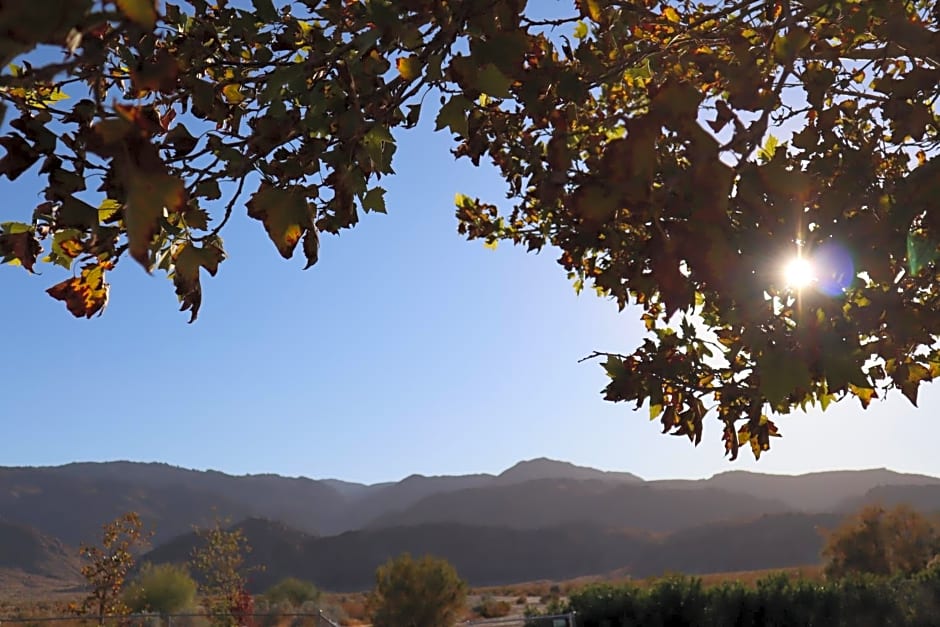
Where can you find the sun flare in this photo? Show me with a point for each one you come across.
(799, 273)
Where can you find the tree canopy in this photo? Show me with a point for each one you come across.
(673, 154)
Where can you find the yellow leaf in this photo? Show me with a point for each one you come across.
(671, 14)
(233, 93)
(491, 245)
(143, 12)
(409, 67)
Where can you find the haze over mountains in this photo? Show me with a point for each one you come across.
(539, 519)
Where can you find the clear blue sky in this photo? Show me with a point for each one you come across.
(405, 350)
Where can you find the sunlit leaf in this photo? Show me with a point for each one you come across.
(144, 12)
(86, 294)
(285, 213)
(409, 67)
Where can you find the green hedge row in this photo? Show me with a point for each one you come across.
(775, 601)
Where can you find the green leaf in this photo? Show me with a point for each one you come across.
(285, 213)
(921, 251)
(782, 374)
(374, 200)
(143, 12)
(265, 10)
(491, 81)
(149, 194)
(453, 116)
(186, 264)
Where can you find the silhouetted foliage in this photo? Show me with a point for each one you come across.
(633, 138)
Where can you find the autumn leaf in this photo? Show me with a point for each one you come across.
(233, 93)
(591, 8)
(66, 246)
(409, 67)
(312, 247)
(18, 244)
(285, 213)
(186, 265)
(86, 294)
(143, 12)
(149, 195)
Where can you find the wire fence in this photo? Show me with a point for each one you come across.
(269, 619)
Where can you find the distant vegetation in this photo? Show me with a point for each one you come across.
(164, 589)
(877, 541)
(426, 592)
(777, 600)
(292, 592)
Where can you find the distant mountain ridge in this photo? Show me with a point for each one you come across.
(71, 502)
(515, 522)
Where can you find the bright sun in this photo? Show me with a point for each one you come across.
(799, 273)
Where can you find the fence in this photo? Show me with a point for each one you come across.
(557, 620)
(270, 619)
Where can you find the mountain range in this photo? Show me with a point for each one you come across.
(540, 519)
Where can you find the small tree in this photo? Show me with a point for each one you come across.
(220, 561)
(417, 593)
(107, 566)
(294, 591)
(881, 542)
(165, 588)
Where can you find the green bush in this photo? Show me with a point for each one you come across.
(417, 593)
(165, 589)
(292, 591)
(777, 601)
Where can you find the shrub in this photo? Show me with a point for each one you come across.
(418, 593)
(165, 589)
(491, 608)
(292, 591)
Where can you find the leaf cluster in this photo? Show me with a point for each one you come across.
(634, 137)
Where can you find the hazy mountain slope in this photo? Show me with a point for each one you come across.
(551, 502)
(772, 541)
(922, 497)
(307, 504)
(73, 509)
(394, 497)
(27, 551)
(811, 492)
(482, 555)
(494, 556)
